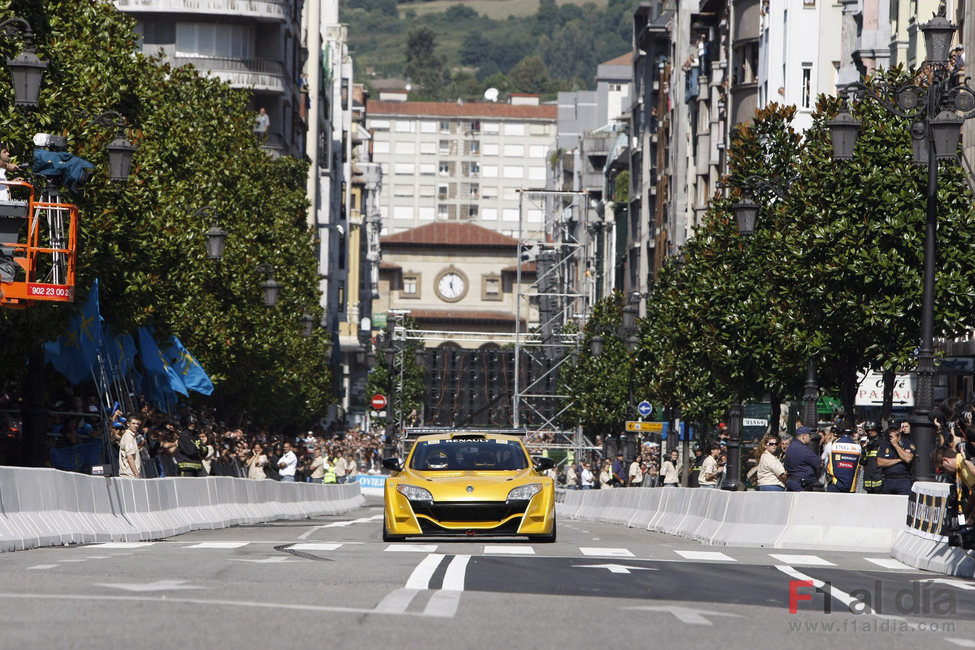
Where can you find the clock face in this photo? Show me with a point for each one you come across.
(451, 286)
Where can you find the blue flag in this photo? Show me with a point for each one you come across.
(123, 352)
(155, 363)
(188, 368)
(76, 351)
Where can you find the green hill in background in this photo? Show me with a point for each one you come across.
(450, 50)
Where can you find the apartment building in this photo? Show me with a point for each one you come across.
(464, 162)
(253, 44)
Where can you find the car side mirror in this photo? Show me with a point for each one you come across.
(392, 464)
(544, 463)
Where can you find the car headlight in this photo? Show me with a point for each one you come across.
(524, 492)
(414, 493)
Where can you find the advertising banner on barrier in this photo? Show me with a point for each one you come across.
(372, 483)
(926, 510)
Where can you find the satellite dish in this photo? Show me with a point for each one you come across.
(491, 94)
(409, 87)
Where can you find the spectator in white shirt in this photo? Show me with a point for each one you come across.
(586, 477)
(288, 464)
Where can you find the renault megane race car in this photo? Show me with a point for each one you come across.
(464, 483)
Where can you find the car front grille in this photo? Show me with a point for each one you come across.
(460, 512)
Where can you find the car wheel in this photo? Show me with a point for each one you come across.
(390, 538)
(545, 539)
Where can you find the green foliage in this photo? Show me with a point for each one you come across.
(144, 240)
(403, 383)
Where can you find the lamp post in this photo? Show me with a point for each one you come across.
(120, 150)
(216, 236)
(307, 325)
(937, 104)
(270, 286)
(26, 70)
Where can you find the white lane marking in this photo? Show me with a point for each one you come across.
(453, 579)
(396, 601)
(442, 604)
(687, 615)
(122, 545)
(158, 585)
(967, 586)
(70, 561)
(841, 596)
(889, 563)
(801, 560)
(269, 560)
(420, 578)
(605, 552)
(312, 546)
(218, 545)
(97, 557)
(705, 555)
(339, 524)
(962, 643)
(411, 548)
(494, 549)
(42, 566)
(613, 568)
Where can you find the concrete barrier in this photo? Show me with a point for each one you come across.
(779, 520)
(924, 542)
(47, 507)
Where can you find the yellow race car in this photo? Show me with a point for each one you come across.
(464, 483)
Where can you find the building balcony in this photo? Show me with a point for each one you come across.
(265, 75)
(271, 10)
(744, 102)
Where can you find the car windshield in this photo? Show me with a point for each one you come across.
(462, 455)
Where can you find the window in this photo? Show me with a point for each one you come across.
(445, 146)
(514, 171)
(442, 212)
(379, 125)
(428, 169)
(475, 191)
(475, 170)
(490, 150)
(427, 190)
(411, 285)
(490, 171)
(514, 150)
(426, 213)
(476, 126)
(428, 147)
(428, 126)
(492, 288)
(514, 129)
(380, 147)
(472, 212)
(537, 151)
(442, 191)
(405, 148)
(491, 214)
(403, 212)
(445, 126)
(805, 100)
(402, 190)
(214, 40)
(405, 169)
(404, 126)
(490, 127)
(445, 169)
(475, 147)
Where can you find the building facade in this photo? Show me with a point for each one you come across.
(460, 162)
(253, 44)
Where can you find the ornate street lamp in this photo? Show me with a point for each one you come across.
(26, 70)
(120, 150)
(216, 236)
(937, 104)
(307, 325)
(270, 286)
(746, 214)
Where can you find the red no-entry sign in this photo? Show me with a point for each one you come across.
(378, 401)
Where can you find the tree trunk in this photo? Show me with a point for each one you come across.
(33, 410)
(848, 392)
(775, 414)
(889, 379)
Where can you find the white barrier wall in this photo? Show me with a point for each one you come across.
(48, 507)
(810, 520)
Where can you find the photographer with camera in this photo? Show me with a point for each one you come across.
(895, 457)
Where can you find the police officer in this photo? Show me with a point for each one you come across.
(801, 463)
(843, 462)
(896, 457)
(873, 475)
(190, 450)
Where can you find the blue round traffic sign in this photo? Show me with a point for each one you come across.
(644, 408)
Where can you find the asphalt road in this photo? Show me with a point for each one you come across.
(331, 581)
